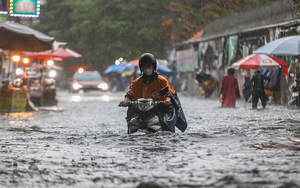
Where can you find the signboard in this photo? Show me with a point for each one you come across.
(13, 100)
(31, 72)
(26, 8)
(232, 48)
(4, 17)
(185, 60)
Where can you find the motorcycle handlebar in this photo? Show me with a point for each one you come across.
(126, 105)
(130, 103)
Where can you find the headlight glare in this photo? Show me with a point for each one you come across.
(77, 86)
(103, 86)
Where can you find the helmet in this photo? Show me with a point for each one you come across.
(147, 58)
(230, 70)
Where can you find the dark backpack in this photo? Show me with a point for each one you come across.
(260, 82)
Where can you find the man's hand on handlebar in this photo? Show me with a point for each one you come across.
(126, 100)
(167, 101)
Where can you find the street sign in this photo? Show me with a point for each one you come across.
(28, 8)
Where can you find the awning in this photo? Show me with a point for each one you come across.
(19, 37)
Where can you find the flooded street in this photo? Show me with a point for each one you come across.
(84, 143)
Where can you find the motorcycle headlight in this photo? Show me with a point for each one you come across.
(144, 104)
(103, 86)
(77, 86)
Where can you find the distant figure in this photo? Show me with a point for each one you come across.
(135, 74)
(247, 86)
(229, 89)
(258, 89)
(207, 82)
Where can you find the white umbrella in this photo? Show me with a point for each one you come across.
(283, 46)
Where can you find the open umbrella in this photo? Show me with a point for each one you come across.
(18, 37)
(259, 61)
(283, 46)
(115, 68)
(59, 53)
(162, 70)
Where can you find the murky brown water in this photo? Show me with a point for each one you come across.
(86, 145)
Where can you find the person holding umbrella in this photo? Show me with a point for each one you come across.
(258, 89)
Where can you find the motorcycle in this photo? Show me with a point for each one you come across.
(147, 113)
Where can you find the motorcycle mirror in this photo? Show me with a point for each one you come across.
(164, 91)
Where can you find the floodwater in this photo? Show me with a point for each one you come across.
(84, 143)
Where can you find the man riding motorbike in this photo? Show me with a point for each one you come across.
(148, 86)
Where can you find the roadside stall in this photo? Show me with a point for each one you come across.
(43, 88)
(14, 93)
(41, 84)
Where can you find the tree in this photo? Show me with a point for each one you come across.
(296, 7)
(104, 30)
(55, 21)
(193, 14)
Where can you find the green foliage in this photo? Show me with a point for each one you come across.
(296, 7)
(55, 21)
(104, 30)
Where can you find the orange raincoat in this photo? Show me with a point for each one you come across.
(138, 89)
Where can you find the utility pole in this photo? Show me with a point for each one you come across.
(176, 17)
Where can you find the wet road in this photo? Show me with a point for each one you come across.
(86, 145)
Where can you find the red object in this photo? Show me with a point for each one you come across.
(196, 38)
(210, 87)
(285, 71)
(229, 91)
(259, 61)
(294, 88)
(59, 53)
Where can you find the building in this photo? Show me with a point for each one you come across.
(227, 40)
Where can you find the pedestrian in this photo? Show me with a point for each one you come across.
(229, 89)
(246, 86)
(258, 89)
(148, 85)
(207, 82)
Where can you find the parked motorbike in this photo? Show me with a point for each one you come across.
(146, 114)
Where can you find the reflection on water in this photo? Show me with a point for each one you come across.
(76, 98)
(27, 115)
(87, 145)
(106, 98)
